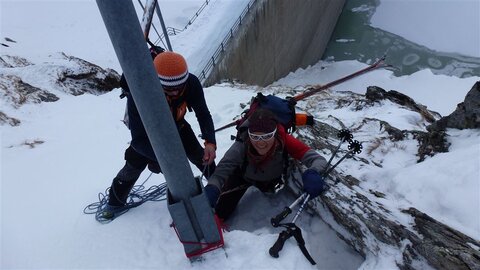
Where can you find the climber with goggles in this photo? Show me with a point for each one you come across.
(263, 137)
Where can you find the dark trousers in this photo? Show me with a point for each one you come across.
(135, 163)
(233, 190)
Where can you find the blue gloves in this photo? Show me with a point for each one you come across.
(212, 193)
(313, 183)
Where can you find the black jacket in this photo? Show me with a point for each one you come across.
(194, 98)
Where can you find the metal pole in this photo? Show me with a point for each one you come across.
(301, 208)
(188, 205)
(165, 34)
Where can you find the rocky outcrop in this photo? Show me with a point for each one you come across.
(86, 77)
(23, 82)
(16, 92)
(430, 142)
(367, 222)
(7, 61)
(5, 119)
(375, 94)
(371, 228)
(467, 114)
(63, 73)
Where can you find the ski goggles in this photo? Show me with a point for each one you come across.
(263, 137)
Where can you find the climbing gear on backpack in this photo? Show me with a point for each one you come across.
(303, 119)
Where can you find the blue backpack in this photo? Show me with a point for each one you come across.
(284, 110)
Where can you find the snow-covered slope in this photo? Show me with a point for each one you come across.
(63, 153)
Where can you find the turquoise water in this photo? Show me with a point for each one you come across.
(355, 39)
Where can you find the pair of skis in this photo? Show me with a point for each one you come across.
(313, 90)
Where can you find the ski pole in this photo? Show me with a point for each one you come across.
(286, 211)
(300, 210)
(292, 230)
(344, 135)
(234, 123)
(355, 147)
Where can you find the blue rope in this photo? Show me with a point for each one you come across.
(137, 196)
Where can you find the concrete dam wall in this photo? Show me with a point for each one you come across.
(277, 37)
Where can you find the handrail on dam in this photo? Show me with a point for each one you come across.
(221, 48)
(172, 31)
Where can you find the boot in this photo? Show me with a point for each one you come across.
(109, 212)
(117, 199)
(119, 192)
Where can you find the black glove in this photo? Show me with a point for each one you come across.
(212, 193)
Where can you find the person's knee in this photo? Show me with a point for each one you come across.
(129, 172)
(135, 160)
(222, 212)
(154, 167)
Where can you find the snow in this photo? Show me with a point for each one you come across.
(445, 186)
(81, 141)
(448, 26)
(418, 86)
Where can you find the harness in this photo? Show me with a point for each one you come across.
(178, 107)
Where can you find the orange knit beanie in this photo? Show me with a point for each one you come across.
(171, 68)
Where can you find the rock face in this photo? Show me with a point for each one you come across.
(86, 77)
(7, 61)
(467, 114)
(5, 119)
(22, 82)
(371, 227)
(375, 94)
(17, 92)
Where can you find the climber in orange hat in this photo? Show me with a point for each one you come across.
(183, 92)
